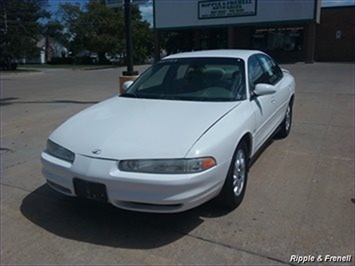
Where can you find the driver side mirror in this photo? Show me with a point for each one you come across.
(123, 89)
(127, 84)
(264, 89)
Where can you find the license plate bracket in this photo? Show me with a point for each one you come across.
(90, 190)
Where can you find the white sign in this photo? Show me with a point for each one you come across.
(227, 8)
(178, 14)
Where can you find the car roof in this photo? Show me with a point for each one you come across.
(227, 53)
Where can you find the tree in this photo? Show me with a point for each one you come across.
(70, 16)
(142, 36)
(100, 29)
(53, 30)
(103, 30)
(175, 42)
(19, 29)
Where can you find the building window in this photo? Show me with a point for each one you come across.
(278, 39)
(214, 39)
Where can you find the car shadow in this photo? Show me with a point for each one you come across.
(104, 224)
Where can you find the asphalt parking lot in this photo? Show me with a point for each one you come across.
(299, 200)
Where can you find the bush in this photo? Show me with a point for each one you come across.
(8, 63)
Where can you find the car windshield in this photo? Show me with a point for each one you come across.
(192, 79)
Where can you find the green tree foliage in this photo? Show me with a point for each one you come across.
(142, 37)
(19, 28)
(71, 14)
(55, 29)
(176, 42)
(100, 29)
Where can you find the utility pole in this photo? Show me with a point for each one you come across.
(130, 74)
(129, 44)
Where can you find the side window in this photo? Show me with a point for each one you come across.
(256, 73)
(272, 70)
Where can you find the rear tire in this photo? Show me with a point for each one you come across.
(234, 187)
(285, 126)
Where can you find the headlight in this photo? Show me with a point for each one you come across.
(168, 166)
(60, 152)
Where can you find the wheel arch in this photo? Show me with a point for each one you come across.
(248, 139)
(292, 99)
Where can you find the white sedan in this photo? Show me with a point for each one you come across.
(182, 133)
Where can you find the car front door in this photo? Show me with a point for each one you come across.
(281, 85)
(264, 106)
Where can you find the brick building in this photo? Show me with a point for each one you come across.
(288, 41)
(335, 35)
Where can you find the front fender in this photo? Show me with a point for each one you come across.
(221, 140)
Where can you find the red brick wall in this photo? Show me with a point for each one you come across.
(328, 47)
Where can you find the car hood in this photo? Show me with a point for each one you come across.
(130, 128)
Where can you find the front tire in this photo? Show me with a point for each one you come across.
(233, 191)
(285, 126)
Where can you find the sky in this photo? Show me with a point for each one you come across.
(147, 8)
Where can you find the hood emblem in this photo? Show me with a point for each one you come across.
(96, 151)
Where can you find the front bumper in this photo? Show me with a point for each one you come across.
(136, 191)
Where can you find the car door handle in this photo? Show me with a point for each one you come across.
(273, 100)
